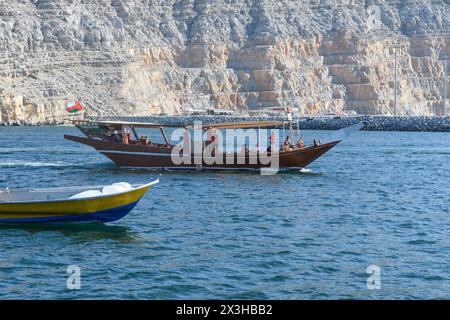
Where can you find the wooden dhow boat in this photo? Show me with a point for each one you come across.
(70, 204)
(120, 142)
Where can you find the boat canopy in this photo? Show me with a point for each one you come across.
(119, 124)
(242, 124)
(115, 125)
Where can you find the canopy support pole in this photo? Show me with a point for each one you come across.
(291, 131)
(259, 138)
(135, 135)
(164, 136)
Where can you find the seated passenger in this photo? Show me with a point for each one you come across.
(316, 143)
(214, 145)
(125, 137)
(287, 144)
(116, 137)
(300, 143)
(269, 148)
(272, 140)
(130, 138)
(144, 140)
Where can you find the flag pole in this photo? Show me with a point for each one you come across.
(84, 108)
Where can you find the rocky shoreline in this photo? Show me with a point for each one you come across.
(172, 57)
(371, 123)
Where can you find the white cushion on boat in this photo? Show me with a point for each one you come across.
(116, 188)
(86, 194)
(111, 189)
(125, 185)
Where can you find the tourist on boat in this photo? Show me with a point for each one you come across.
(300, 143)
(210, 139)
(272, 140)
(116, 136)
(214, 145)
(287, 144)
(144, 140)
(125, 136)
(271, 146)
(316, 143)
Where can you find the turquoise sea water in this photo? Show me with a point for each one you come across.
(379, 198)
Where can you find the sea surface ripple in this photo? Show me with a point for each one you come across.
(379, 198)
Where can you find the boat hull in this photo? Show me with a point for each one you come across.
(160, 157)
(103, 209)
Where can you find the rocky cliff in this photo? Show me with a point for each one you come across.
(166, 56)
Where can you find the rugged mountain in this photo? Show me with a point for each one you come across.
(166, 56)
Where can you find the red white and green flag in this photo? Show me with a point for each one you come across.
(75, 108)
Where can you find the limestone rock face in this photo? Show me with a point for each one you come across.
(147, 57)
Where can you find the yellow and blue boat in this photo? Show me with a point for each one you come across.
(70, 204)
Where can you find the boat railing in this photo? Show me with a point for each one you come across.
(58, 189)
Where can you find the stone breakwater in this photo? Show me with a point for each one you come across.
(29, 123)
(371, 123)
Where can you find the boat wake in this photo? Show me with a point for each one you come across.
(309, 171)
(12, 164)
